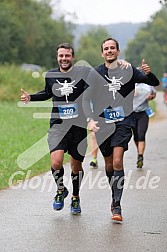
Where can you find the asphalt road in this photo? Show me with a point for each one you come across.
(28, 222)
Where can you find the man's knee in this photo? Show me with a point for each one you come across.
(118, 163)
(56, 163)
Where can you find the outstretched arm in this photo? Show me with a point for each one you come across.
(39, 96)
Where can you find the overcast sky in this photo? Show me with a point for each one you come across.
(111, 11)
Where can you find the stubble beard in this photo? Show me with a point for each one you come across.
(65, 68)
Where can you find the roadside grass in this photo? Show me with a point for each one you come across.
(19, 131)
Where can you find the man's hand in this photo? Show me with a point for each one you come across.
(25, 98)
(145, 67)
(123, 64)
(92, 126)
(151, 96)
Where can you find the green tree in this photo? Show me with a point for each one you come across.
(135, 47)
(89, 46)
(29, 33)
(151, 43)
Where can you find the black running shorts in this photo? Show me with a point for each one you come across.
(119, 138)
(73, 141)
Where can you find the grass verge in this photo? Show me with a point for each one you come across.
(20, 131)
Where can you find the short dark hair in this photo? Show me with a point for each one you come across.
(66, 46)
(117, 44)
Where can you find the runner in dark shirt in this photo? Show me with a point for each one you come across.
(111, 91)
(65, 85)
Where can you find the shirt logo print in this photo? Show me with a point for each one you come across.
(115, 84)
(66, 89)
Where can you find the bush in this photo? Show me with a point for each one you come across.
(13, 78)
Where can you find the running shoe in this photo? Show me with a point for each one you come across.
(58, 203)
(116, 214)
(140, 162)
(93, 163)
(75, 206)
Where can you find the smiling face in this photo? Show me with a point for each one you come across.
(65, 59)
(110, 51)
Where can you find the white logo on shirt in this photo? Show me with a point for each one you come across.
(66, 89)
(115, 84)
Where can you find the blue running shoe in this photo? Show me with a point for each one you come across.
(75, 206)
(58, 203)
